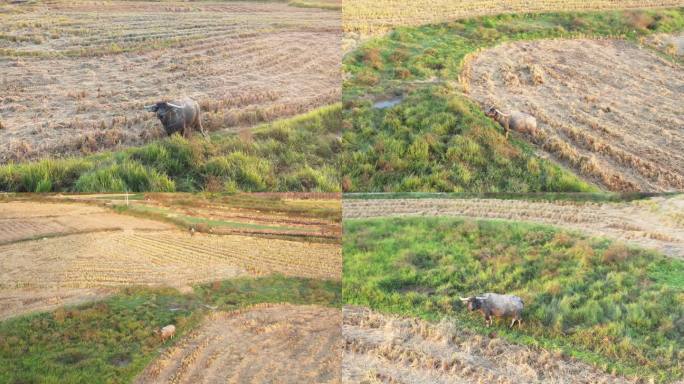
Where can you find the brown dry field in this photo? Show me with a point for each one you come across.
(41, 263)
(75, 75)
(656, 223)
(608, 109)
(294, 217)
(23, 220)
(263, 344)
(390, 349)
(363, 18)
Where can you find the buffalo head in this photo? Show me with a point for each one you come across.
(162, 108)
(473, 303)
(491, 111)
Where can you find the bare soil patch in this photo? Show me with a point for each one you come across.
(654, 223)
(77, 74)
(262, 344)
(608, 109)
(390, 349)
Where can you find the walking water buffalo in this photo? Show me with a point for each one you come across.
(493, 304)
(517, 121)
(167, 332)
(182, 116)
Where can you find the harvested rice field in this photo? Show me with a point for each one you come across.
(67, 248)
(262, 344)
(608, 109)
(76, 75)
(393, 349)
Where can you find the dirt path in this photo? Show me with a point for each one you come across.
(67, 91)
(609, 109)
(263, 344)
(31, 220)
(654, 223)
(390, 349)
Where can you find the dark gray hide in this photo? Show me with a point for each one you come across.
(493, 304)
(182, 116)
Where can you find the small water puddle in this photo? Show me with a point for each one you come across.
(384, 104)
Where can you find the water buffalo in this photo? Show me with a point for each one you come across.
(181, 116)
(517, 121)
(493, 304)
(167, 332)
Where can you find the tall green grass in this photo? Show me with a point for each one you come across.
(292, 155)
(617, 307)
(113, 340)
(436, 139)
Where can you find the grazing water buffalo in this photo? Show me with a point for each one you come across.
(517, 121)
(493, 304)
(167, 332)
(178, 116)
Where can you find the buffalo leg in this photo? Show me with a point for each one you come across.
(201, 128)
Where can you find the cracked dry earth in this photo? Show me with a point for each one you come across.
(656, 223)
(40, 273)
(390, 349)
(262, 344)
(608, 109)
